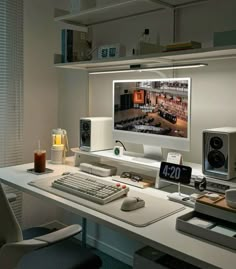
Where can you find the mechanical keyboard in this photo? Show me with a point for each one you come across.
(95, 190)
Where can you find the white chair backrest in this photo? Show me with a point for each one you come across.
(10, 230)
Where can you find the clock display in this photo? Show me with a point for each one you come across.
(175, 172)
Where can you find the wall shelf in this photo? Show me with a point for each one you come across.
(121, 10)
(110, 12)
(154, 60)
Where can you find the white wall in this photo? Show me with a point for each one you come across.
(73, 102)
(40, 93)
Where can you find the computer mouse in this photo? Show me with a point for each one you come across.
(132, 203)
(66, 173)
(230, 197)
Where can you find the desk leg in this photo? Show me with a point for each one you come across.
(84, 231)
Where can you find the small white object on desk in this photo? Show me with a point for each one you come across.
(212, 196)
(181, 198)
(174, 157)
(230, 196)
(118, 150)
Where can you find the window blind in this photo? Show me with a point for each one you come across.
(11, 88)
(11, 82)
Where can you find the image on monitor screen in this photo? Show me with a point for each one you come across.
(152, 111)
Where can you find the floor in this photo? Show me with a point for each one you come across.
(109, 262)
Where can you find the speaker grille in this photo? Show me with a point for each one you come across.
(215, 154)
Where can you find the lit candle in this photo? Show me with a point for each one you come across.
(58, 139)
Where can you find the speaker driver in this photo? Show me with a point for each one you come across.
(85, 126)
(216, 142)
(216, 158)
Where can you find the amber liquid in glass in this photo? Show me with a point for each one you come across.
(40, 161)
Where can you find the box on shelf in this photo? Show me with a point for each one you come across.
(226, 38)
(74, 45)
(111, 51)
(183, 46)
(147, 48)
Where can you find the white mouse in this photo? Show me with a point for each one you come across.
(132, 203)
(230, 196)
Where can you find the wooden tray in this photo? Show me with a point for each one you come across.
(216, 208)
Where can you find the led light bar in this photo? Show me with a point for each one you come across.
(140, 69)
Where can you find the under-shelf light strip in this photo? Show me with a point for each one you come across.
(170, 67)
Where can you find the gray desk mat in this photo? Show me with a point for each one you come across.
(155, 208)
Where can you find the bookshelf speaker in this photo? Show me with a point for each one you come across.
(219, 153)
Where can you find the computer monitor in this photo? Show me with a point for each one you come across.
(154, 112)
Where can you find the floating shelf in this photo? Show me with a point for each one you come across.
(111, 12)
(121, 10)
(150, 60)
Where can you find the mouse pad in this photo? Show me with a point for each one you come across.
(155, 208)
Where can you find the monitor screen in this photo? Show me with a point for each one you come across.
(152, 112)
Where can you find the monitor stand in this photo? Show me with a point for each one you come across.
(151, 155)
(153, 152)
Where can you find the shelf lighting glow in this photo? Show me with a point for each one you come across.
(169, 67)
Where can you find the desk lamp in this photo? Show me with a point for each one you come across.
(59, 146)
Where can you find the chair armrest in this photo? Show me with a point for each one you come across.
(17, 250)
(11, 197)
(11, 253)
(60, 234)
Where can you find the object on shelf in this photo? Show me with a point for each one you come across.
(111, 51)
(145, 46)
(183, 46)
(99, 169)
(75, 46)
(118, 150)
(174, 157)
(226, 38)
(134, 179)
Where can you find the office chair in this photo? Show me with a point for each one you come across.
(39, 248)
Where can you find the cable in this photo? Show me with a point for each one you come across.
(118, 141)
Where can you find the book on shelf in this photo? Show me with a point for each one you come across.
(183, 46)
(74, 46)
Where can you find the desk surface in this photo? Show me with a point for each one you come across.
(161, 235)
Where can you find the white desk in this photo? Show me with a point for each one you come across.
(161, 235)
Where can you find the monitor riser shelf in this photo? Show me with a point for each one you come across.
(129, 158)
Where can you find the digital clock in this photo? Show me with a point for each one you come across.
(175, 172)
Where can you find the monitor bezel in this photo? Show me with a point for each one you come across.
(170, 142)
